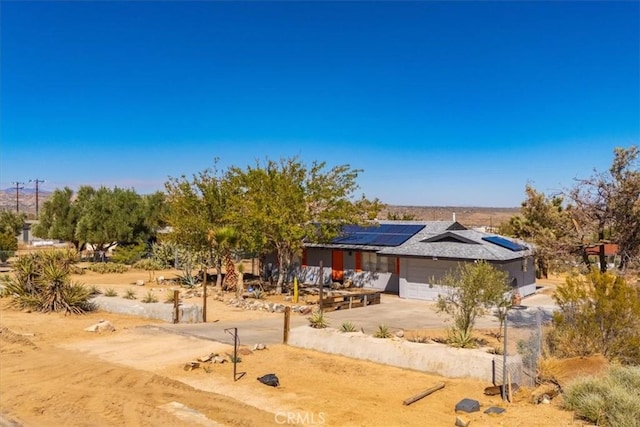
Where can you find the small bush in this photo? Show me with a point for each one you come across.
(460, 338)
(417, 337)
(258, 294)
(348, 327)
(383, 332)
(149, 298)
(108, 267)
(130, 294)
(94, 291)
(128, 254)
(169, 297)
(8, 246)
(232, 359)
(611, 400)
(110, 292)
(148, 264)
(317, 320)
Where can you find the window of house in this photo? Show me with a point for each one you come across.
(372, 262)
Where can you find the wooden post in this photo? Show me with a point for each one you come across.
(509, 387)
(204, 296)
(176, 304)
(425, 393)
(321, 288)
(287, 318)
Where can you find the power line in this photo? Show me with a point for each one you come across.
(18, 188)
(37, 181)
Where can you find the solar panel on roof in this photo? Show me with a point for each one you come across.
(382, 235)
(505, 243)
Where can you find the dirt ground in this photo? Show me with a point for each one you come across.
(52, 372)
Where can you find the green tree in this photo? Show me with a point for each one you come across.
(195, 209)
(60, 214)
(12, 223)
(473, 288)
(112, 216)
(287, 202)
(544, 222)
(607, 204)
(598, 313)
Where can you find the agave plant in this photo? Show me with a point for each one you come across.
(348, 327)
(317, 320)
(383, 332)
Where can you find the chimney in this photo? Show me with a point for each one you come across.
(454, 217)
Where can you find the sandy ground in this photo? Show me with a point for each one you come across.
(52, 372)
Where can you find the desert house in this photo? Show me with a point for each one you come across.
(409, 258)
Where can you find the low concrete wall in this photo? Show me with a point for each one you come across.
(433, 358)
(156, 310)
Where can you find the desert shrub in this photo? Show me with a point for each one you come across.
(128, 254)
(149, 298)
(417, 337)
(110, 292)
(258, 294)
(611, 400)
(598, 313)
(108, 267)
(471, 290)
(383, 332)
(348, 327)
(129, 294)
(94, 290)
(168, 299)
(42, 282)
(460, 338)
(317, 320)
(148, 264)
(8, 246)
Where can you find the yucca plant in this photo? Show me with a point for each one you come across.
(317, 320)
(110, 292)
(149, 298)
(129, 294)
(348, 327)
(383, 332)
(42, 283)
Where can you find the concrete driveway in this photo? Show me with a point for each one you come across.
(393, 312)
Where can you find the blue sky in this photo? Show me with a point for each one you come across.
(440, 103)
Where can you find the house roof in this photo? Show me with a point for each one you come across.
(384, 234)
(460, 244)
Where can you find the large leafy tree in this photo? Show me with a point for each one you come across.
(195, 210)
(544, 222)
(284, 202)
(59, 217)
(102, 217)
(11, 225)
(606, 206)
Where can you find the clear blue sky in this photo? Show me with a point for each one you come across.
(441, 103)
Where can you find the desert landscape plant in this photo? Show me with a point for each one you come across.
(598, 313)
(318, 320)
(149, 298)
(472, 290)
(129, 294)
(110, 292)
(610, 400)
(348, 327)
(42, 282)
(383, 332)
(108, 267)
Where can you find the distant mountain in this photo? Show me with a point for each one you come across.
(26, 199)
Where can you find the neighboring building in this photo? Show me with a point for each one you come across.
(410, 258)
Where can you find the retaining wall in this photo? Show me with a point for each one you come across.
(433, 358)
(188, 313)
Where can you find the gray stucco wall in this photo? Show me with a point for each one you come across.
(419, 277)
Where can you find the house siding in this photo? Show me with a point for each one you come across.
(420, 278)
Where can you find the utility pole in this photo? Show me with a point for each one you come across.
(18, 188)
(37, 181)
